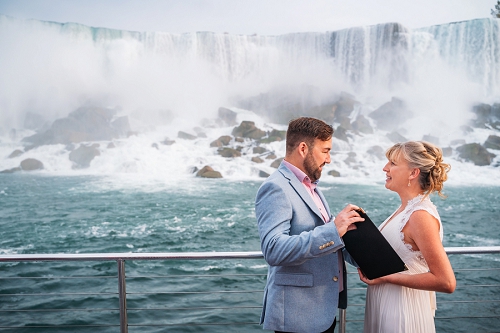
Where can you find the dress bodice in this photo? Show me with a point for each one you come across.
(392, 229)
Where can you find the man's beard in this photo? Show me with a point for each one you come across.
(312, 170)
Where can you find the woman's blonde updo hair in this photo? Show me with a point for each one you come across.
(426, 157)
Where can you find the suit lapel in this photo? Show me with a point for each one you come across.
(302, 192)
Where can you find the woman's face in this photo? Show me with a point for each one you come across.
(397, 173)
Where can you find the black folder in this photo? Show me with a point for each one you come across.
(371, 251)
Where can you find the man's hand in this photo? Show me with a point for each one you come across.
(345, 220)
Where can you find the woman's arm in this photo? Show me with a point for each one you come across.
(422, 232)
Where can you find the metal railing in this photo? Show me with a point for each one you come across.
(121, 258)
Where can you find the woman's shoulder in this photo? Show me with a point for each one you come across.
(420, 204)
(424, 212)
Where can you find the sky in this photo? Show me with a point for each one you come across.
(263, 17)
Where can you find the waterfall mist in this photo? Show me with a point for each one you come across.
(178, 81)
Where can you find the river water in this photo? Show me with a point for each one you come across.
(93, 214)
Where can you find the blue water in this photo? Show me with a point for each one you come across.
(90, 214)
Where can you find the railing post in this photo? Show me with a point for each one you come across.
(342, 319)
(122, 296)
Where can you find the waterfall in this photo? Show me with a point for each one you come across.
(165, 83)
(52, 68)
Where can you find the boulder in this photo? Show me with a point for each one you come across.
(11, 170)
(351, 158)
(325, 112)
(457, 142)
(334, 173)
(475, 153)
(391, 115)
(228, 116)
(111, 145)
(229, 152)
(431, 139)
(447, 151)
(271, 156)
(362, 125)
(263, 174)
(31, 164)
(83, 124)
(466, 129)
(274, 135)
(276, 163)
(340, 133)
(223, 140)
(377, 151)
(482, 112)
(259, 150)
(256, 159)
(208, 172)
(121, 127)
(185, 136)
(492, 142)
(200, 132)
(344, 107)
(486, 115)
(396, 137)
(15, 153)
(83, 155)
(247, 129)
(167, 142)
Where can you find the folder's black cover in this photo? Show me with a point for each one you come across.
(371, 251)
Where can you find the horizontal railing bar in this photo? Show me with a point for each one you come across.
(190, 255)
(476, 269)
(458, 317)
(59, 294)
(477, 285)
(190, 276)
(56, 278)
(144, 293)
(472, 250)
(133, 256)
(468, 317)
(473, 301)
(193, 324)
(128, 277)
(196, 308)
(195, 292)
(59, 326)
(62, 310)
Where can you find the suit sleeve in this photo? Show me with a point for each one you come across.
(275, 212)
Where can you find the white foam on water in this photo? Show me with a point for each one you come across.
(166, 83)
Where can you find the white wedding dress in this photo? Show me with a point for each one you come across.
(395, 309)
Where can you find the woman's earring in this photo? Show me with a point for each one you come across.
(409, 184)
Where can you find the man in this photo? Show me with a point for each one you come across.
(299, 244)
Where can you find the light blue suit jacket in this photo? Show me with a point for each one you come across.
(302, 289)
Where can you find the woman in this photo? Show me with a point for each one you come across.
(405, 302)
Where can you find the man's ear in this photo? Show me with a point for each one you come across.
(303, 149)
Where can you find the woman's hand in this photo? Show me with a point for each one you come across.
(369, 282)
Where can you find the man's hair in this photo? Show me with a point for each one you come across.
(306, 129)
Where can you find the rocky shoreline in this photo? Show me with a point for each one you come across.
(83, 131)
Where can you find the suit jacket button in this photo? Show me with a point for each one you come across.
(332, 242)
(321, 247)
(335, 278)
